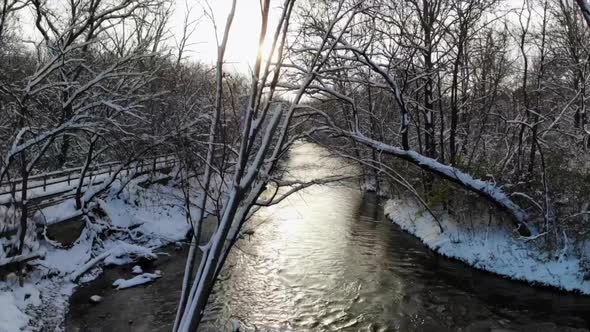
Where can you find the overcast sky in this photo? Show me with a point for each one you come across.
(245, 29)
(244, 34)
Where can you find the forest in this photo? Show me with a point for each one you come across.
(453, 107)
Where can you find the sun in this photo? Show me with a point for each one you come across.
(242, 49)
(243, 46)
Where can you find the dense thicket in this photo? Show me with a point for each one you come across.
(498, 93)
(100, 82)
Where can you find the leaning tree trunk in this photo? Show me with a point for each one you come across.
(482, 188)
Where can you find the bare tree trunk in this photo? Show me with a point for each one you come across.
(522, 43)
(429, 135)
(454, 108)
(192, 255)
(535, 116)
(89, 156)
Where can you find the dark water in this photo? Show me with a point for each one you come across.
(327, 260)
(151, 307)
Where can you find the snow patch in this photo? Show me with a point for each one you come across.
(11, 318)
(493, 249)
(95, 299)
(13, 300)
(137, 270)
(141, 219)
(136, 281)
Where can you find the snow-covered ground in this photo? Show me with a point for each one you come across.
(140, 220)
(494, 248)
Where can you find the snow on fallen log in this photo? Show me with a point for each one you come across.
(136, 281)
(482, 188)
(22, 258)
(122, 253)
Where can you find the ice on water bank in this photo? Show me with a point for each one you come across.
(491, 249)
(136, 281)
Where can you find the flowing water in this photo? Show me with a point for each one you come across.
(326, 259)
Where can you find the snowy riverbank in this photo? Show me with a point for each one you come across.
(493, 248)
(137, 222)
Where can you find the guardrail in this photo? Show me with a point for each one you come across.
(70, 174)
(48, 185)
(49, 189)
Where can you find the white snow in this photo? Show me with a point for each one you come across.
(137, 270)
(157, 213)
(490, 248)
(136, 281)
(143, 220)
(235, 325)
(11, 318)
(124, 253)
(96, 299)
(10, 238)
(120, 253)
(11, 303)
(53, 214)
